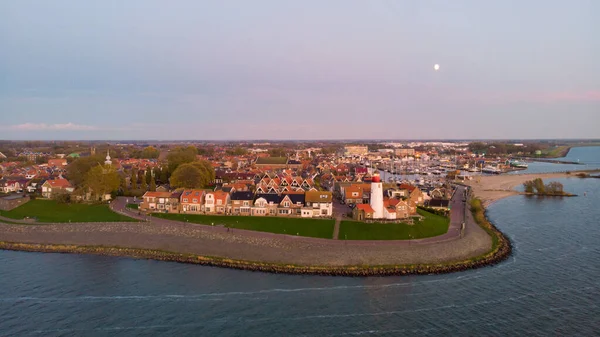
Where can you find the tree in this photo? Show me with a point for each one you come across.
(187, 176)
(237, 151)
(134, 179)
(41, 160)
(528, 186)
(150, 152)
(78, 169)
(207, 170)
(478, 147)
(538, 184)
(554, 188)
(277, 152)
(142, 180)
(206, 151)
(102, 180)
(193, 175)
(152, 185)
(148, 176)
(181, 155)
(163, 176)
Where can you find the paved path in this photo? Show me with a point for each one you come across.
(336, 227)
(209, 240)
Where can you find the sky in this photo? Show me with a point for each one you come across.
(310, 69)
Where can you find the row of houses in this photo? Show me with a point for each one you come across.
(48, 188)
(309, 204)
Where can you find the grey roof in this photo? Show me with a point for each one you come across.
(274, 198)
(242, 195)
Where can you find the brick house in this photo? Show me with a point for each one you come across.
(161, 201)
(192, 201)
(216, 202)
(55, 186)
(321, 203)
(241, 202)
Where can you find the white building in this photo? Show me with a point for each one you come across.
(108, 161)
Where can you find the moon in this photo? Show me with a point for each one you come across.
(436, 67)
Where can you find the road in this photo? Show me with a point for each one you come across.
(240, 244)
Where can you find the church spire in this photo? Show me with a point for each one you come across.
(108, 160)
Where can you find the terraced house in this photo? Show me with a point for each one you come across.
(192, 201)
(161, 202)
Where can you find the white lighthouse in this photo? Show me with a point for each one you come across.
(377, 197)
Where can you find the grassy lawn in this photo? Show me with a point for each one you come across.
(431, 225)
(132, 206)
(51, 211)
(304, 227)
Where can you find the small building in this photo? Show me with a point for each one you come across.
(442, 204)
(60, 162)
(52, 187)
(354, 194)
(12, 201)
(271, 162)
(362, 212)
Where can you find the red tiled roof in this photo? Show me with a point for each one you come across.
(365, 207)
(59, 183)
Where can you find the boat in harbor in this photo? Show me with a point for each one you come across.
(518, 164)
(491, 170)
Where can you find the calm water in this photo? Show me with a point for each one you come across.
(551, 286)
(588, 156)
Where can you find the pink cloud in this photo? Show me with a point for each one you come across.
(537, 97)
(567, 96)
(57, 127)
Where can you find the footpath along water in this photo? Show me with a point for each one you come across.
(550, 286)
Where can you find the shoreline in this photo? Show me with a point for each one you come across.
(491, 258)
(488, 190)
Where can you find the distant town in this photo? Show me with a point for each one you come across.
(385, 181)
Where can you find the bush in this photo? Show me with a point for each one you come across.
(62, 198)
(440, 212)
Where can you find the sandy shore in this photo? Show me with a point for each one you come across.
(492, 188)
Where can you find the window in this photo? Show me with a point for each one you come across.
(272, 211)
(219, 202)
(194, 200)
(246, 203)
(355, 194)
(286, 204)
(185, 200)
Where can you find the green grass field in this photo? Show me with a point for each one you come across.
(431, 225)
(51, 211)
(132, 206)
(294, 226)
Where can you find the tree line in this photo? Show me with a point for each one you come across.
(537, 186)
(93, 179)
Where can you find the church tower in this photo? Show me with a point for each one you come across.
(377, 196)
(108, 161)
